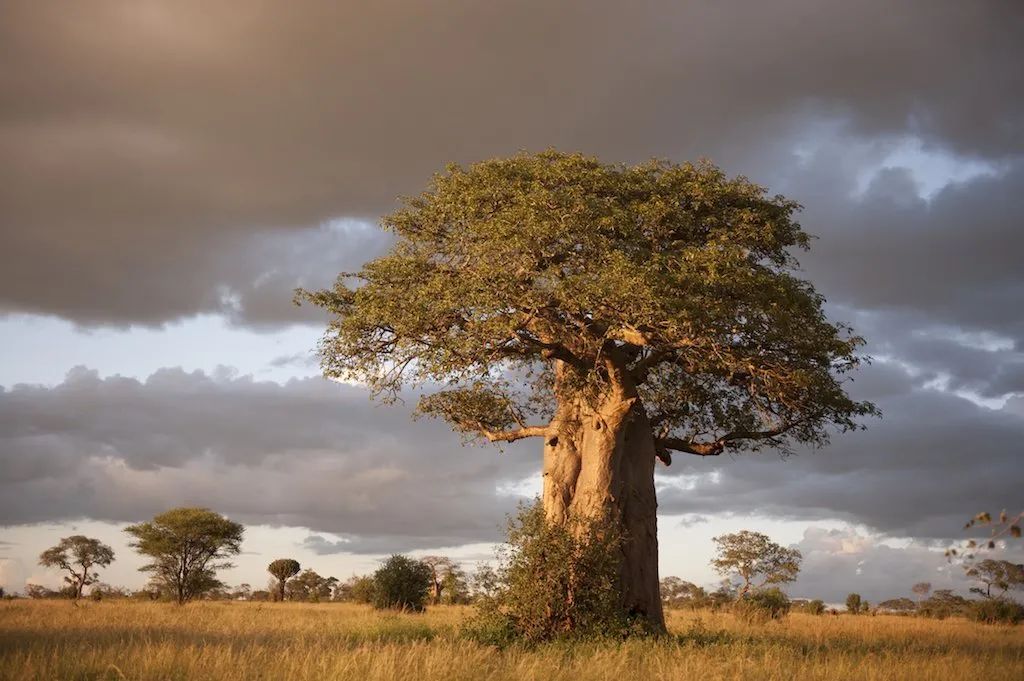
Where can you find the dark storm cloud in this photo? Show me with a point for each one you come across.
(309, 453)
(147, 146)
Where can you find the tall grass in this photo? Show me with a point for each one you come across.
(243, 641)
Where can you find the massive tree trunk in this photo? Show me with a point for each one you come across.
(600, 460)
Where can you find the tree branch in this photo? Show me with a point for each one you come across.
(516, 434)
(716, 447)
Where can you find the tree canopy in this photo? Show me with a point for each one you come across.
(752, 556)
(283, 569)
(186, 547)
(78, 555)
(683, 274)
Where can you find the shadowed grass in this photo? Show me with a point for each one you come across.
(236, 641)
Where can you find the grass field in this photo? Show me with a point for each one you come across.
(244, 641)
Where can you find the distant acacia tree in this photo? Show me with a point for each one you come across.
(1001, 575)
(455, 587)
(619, 313)
(676, 592)
(921, 589)
(485, 582)
(355, 589)
(439, 566)
(283, 569)
(308, 585)
(900, 605)
(186, 547)
(78, 556)
(752, 556)
(855, 604)
(401, 583)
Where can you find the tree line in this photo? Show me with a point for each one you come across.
(186, 547)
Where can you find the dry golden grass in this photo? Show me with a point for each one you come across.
(236, 641)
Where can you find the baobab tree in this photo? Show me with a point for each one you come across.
(619, 313)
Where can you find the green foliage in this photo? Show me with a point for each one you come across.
(752, 555)
(186, 547)
(944, 603)
(359, 589)
(310, 586)
(484, 583)
(855, 604)
(678, 593)
(813, 607)
(762, 605)
(1000, 575)
(513, 264)
(283, 569)
(401, 584)
(898, 605)
(78, 555)
(996, 611)
(455, 587)
(556, 582)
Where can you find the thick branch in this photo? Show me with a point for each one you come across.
(716, 447)
(516, 434)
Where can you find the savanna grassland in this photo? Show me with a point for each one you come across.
(242, 641)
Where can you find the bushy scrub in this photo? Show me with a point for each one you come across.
(762, 605)
(401, 584)
(996, 611)
(815, 607)
(556, 582)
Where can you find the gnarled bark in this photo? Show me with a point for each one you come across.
(599, 460)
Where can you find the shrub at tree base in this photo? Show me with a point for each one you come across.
(556, 582)
(996, 611)
(401, 584)
(762, 605)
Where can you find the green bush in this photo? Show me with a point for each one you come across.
(944, 603)
(401, 584)
(815, 607)
(556, 582)
(762, 605)
(996, 611)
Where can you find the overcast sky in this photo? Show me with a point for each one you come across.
(170, 171)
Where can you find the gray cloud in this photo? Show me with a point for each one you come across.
(160, 143)
(933, 461)
(838, 562)
(309, 453)
(316, 454)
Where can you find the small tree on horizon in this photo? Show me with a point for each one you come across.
(310, 586)
(439, 566)
(78, 555)
(749, 555)
(186, 547)
(922, 589)
(854, 604)
(283, 569)
(401, 584)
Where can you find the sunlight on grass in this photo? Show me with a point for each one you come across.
(241, 641)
